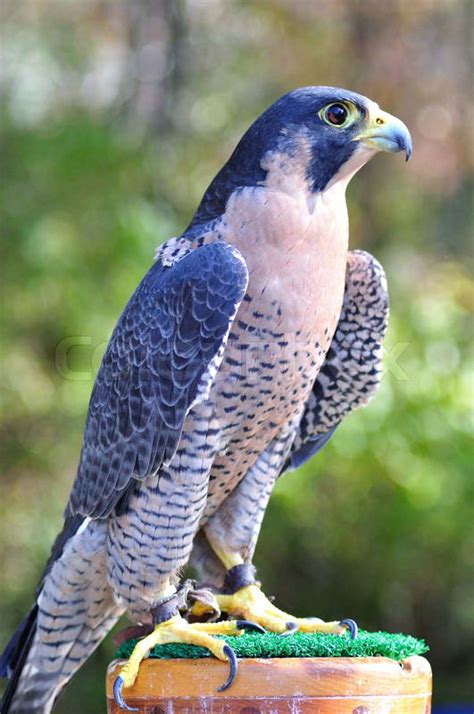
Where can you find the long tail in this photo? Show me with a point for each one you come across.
(73, 612)
(15, 654)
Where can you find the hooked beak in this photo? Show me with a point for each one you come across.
(385, 132)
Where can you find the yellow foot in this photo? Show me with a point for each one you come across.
(251, 603)
(178, 630)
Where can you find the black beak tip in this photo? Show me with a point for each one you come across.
(406, 145)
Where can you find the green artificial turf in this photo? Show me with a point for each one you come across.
(299, 644)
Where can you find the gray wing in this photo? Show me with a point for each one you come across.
(351, 373)
(161, 358)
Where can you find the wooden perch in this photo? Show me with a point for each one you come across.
(322, 685)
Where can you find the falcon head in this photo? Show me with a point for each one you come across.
(308, 139)
(341, 129)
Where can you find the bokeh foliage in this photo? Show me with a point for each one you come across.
(115, 116)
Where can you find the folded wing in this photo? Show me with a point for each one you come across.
(351, 373)
(161, 359)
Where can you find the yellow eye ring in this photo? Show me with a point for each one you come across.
(337, 114)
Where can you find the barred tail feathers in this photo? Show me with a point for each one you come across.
(73, 613)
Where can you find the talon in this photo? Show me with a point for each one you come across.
(249, 626)
(290, 628)
(351, 626)
(118, 686)
(229, 652)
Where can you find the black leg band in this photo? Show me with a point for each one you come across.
(239, 577)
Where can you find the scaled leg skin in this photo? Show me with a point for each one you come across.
(232, 534)
(175, 629)
(244, 598)
(170, 627)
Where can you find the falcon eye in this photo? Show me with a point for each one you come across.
(339, 114)
(336, 114)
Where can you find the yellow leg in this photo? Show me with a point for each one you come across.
(227, 558)
(252, 604)
(178, 630)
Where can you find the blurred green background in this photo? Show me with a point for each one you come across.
(115, 116)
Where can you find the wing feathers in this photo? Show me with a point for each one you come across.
(170, 333)
(351, 372)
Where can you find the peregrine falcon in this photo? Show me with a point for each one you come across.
(253, 334)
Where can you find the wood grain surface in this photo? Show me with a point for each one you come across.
(323, 685)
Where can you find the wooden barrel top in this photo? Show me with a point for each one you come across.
(322, 685)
